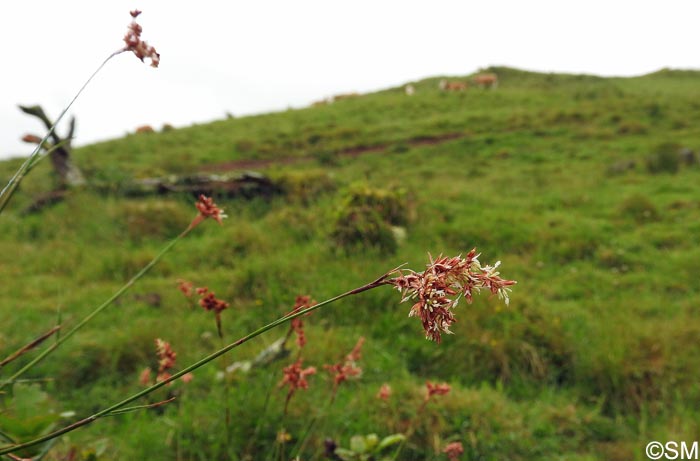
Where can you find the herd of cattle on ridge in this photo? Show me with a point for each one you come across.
(486, 80)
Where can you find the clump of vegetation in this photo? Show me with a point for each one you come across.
(153, 218)
(665, 159)
(305, 186)
(370, 217)
(640, 208)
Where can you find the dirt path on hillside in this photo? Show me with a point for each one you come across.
(257, 164)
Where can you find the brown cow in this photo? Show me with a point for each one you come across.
(145, 129)
(486, 80)
(452, 86)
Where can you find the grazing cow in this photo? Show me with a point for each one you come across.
(444, 85)
(410, 90)
(145, 129)
(486, 80)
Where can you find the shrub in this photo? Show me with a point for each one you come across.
(369, 218)
(305, 186)
(640, 208)
(363, 227)
(665, 159)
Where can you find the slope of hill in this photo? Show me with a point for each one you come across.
(583, 186)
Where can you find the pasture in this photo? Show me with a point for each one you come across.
(577, 184)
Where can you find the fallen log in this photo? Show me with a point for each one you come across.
(248, 184)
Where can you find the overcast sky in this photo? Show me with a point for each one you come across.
(263, 55)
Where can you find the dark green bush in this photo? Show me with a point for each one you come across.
(369, 217)
(639, 208)
(665, 159)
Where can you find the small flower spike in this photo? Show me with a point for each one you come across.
(384, 392)
(166, 359)
(295, 378)
(436, 389)
(297, 324)
(139, 47)
(453, 450)
(207, 209)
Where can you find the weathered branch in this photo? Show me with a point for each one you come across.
(68, 173)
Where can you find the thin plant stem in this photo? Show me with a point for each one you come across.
(111, 409)
(227, 390)
(99, 309)
(301, 443)
(13, 183)
(28, 347)
(258, 425)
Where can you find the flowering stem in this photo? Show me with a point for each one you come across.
(99, 309)
(114, 408)
(13, 183)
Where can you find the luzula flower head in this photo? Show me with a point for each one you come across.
(384, 392)
(348, 368)
(295, 378)
(438, 289)
(207, 209)
(134, 43)
(185, 287)
(166, 359)
(210, 302)
(453, 450)
(436, 389)
(297, 324)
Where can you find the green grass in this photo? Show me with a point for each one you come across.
(593, 358)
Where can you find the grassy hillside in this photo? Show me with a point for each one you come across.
(573, 182)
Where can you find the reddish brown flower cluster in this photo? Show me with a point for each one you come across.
(384, 392)
(295, 378)
(348, 368)
(210, 302)
(134, 43)
(208, 209)
(297, 324)
(436, 389)
(438, 289)
(185, 287)
(453, 450)
(356, 353)
(166, 359)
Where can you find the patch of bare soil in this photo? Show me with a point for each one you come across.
(258, 164)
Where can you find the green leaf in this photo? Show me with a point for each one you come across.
(371, 442)
(346, 455)
(358, 444)
(390, 440)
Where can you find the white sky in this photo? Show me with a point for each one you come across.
(256, 56)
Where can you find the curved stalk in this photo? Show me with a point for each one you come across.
(12, 184)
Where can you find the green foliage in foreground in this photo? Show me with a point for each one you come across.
(567, 179)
